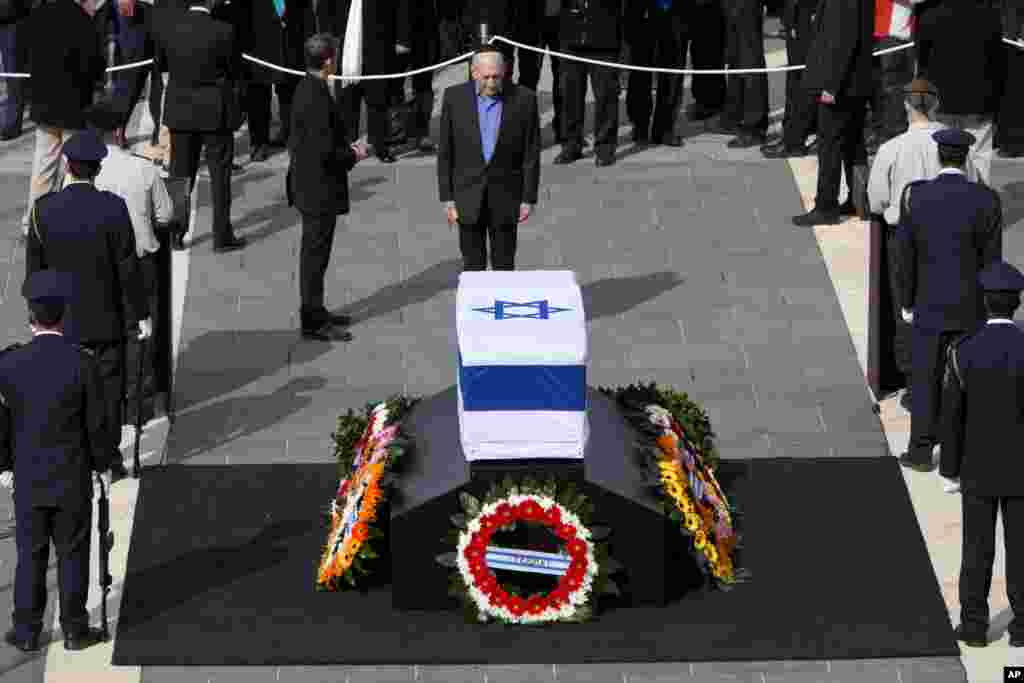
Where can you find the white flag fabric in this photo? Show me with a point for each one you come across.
(352, 49)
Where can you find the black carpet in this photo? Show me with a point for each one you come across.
(223, 559)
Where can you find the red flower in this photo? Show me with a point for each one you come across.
(565, 532)
(553, 516)
(505, 512)
(577, 548)
(517, 606)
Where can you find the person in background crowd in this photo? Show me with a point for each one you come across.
(503, 18)
(1010, 125)
(51, 424)
(658, 30)
(12, 100)
(900, 161)
(204, 60)
(707, 51)
(418, 28)
(746, 99)
(891, 71)
(950, 230)
(321, 155)
(591, 30)
(64, 75)
(134, 19)
(960, 50)
(488, 161)
(800, 118)
(984, 420)
(839, 74)
(542, 18)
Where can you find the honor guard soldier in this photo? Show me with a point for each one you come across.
(88, 233)
(983, 420)
(950, 229)
(53, 431)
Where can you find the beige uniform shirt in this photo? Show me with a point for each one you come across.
(138, 182)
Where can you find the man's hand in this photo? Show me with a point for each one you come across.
(826, 97)
(401, 49)
(7, 479)
(524, 212)
(908, 315)
(126, 8)
(361, 150)
(145, 329)
(453, 216)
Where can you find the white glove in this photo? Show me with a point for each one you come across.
(7, 479)
(950, 485)
(908, 316)
(145, 329)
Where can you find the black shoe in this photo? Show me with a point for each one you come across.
(670, 140)
(1004, 152)
(178, 242)
(1016, 641)
(80, 641)
(907, 461)
(746, 140)
(10, 135)
(779, 150)
(602, 161)
(280, 140)
(640, 136)
(816, 217)
(232, 244)
(568, 155)
(970, 639)
(30, 644)
(385, 156)
(725, 128)
(236, 168)
(426, 145)
(339, 319)
(261, 153)
(696, 112)
(326, 332)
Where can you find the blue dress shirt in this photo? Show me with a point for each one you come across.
(490, 109)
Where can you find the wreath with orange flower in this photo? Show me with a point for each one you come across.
(671, 425)
(368, 447)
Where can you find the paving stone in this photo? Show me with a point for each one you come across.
(312, 674)
(659, 672)
(523, 673)
(933, 670)
(591, 673)
(380, 674)
(449, 674)
(225, 674)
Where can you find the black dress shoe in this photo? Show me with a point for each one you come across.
(724, 128)
(10, 135)
(909, 462)
(326, 332)
(236, 168)
(696, 112)
(568, 156)
(602, 161)
(1016, 641)
(178, 242)
(426, 145)
(339, 319)
(1004, 152)
(816, 217)
(670, 140)
(746, 141)
(971, 639)
(80, 641)
(385, 156)
(30, 644)
(640, 136)
(779, 150)
(231, 245)
(261, 153)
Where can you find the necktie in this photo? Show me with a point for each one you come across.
(279, 6)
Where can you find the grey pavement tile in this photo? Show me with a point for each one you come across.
(591, 673)
(523, 673)
(933, 670)
(449, 674)
(881, 669)
(658, 672)
(228, 350)
(312, 674)
(24, 669)
(646, 355)
(742, 669)
(380, 674)
(218, 674)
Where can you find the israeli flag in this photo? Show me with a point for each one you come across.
(522, 361)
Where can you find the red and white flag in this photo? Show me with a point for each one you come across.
(894, 18)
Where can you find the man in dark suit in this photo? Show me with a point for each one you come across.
(488, 161)
(503, 18)
(839, 75)
(12, 100)
(983, 416)
(657, 28)
(540, 24)
(418, 30)
(52, 430)
(1009, 137)
(950, 230)
(88, 233)
(800, 118)
(321, 157)
(201, 106)
(746, 97)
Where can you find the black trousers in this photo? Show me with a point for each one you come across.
(473, 241)
(708, 52)
(666, 45)
(378, 95)
(746, 100)
(928, 350)
(901, 329)
(530, 64)
(605, 82)
(70, 531)
(314, 255)
(110, 361)
(891, 72)
(979, 552)
(220, 148)
(1010, 128)
(801, 116)
(840, 147)
(257, 104)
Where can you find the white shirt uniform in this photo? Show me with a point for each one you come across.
(914, 155)
(138, 182)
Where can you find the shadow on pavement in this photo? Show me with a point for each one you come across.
(421, 287)
(614, 296)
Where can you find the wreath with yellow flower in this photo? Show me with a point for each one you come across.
(368, 446)
(671, 425)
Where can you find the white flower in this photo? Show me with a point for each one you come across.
(659, 416)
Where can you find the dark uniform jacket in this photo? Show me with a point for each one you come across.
(53, 429)
(88, 233)
(379, 26)
(951, 230)
(594, 24)
(839, 58)
(321, 156)
(960, 50)
(204, 62)
(983, 412)
(274, 39)
(65, 62)
(511, 177)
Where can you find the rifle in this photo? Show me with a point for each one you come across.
(106, 543)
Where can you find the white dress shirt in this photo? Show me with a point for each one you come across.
(138, 182)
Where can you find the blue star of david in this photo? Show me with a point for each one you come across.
(540, 310)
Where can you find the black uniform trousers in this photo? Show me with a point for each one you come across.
(901, 329)
(708, 52)
(529, 69)
(71, 533)
(1010, 127)
(666, 45)
(890, 73)
(314, 255)
(746, 100)
(605, 82)
(473, 239)
(840, 147)
(377, 94)
(979, 552)
(220, 149)
(928, 350)
(257, 104)
(801, 116)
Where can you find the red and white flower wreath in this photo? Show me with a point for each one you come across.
(576, 586)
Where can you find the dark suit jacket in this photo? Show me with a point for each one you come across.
(417, 26)
(380, 19)
(88, 233)
(839, 58)
(65, 62)
(275, 39)
(951, 230)
(599, 27)
(56, 427)
(960, 50)
(204, 60)
(984, 418)
(321, 156)
(513, 174)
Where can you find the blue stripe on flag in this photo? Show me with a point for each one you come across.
(523, 387)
